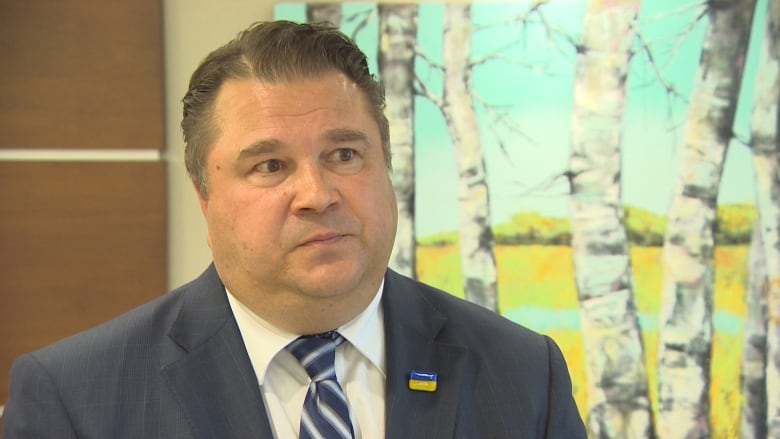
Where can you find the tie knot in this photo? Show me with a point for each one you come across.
(317, 354)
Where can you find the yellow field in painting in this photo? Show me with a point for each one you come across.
(543, 277)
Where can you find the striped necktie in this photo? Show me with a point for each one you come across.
(325, 411)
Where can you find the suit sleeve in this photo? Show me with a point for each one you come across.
(35, 409)
(564, 419)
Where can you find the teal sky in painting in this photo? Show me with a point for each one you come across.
(532, 83)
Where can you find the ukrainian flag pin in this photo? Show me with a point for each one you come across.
(423, 381)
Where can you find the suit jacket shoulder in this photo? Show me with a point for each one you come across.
(495, 378)
(174, 367)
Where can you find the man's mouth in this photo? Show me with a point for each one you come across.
(323, 239)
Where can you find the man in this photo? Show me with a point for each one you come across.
(288, 148)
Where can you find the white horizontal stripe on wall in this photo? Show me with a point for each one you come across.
(81, 155)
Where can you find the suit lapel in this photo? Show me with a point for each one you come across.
(412, 326)
(214, 381)
(217, 389)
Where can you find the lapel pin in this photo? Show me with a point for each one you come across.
(423, 381)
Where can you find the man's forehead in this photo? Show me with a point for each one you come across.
(293, 96)
(271, 145)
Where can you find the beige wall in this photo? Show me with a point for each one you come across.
(192, 28)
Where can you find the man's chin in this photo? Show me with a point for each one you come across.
(330, 280)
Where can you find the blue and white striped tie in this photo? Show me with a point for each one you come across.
(325, 410)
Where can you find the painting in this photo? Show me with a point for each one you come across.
(606, 173)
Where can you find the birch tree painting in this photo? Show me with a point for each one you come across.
(766, 301)
(753, 420)
(476, 235)
(618, 398)
(686, 334)
(603, 172)
(398, 41)
(323, 13)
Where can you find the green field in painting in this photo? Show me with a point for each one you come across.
(541, 279)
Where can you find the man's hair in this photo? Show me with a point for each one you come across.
(272, 52)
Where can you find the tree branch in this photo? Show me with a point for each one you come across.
(420, 89)
(522, 18)
(671, 90)
(428, 60)
(362, 18)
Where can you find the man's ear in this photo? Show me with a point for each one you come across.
(202, 197)
(204, 206)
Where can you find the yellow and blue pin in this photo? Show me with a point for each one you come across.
(423, 381)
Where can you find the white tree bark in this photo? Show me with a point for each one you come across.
(766, 153)
(477, 246)
(323, 12)
(685, 339)
(397, 41)
(753, 375)
(618, 397)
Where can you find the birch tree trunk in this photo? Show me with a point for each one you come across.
(766, 153)
(753, 375)
(618, 397)
(685, 339)
(323, 12)
(397, 41)
(477, 246)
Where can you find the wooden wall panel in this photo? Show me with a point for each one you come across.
(81, 74)
(79, 244)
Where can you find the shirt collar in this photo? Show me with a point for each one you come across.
(366, 332)
(263, 340)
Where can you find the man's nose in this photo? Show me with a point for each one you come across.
(314, 189)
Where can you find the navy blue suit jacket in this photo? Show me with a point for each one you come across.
(177, 368)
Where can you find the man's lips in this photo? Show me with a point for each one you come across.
(323, 239)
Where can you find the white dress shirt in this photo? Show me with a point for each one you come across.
(360, 369)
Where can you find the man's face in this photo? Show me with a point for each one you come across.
(300, 205)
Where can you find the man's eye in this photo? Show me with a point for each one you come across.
(346, 155)
(270, 166)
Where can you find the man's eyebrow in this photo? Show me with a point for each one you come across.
(263, 146)
(346, 135)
